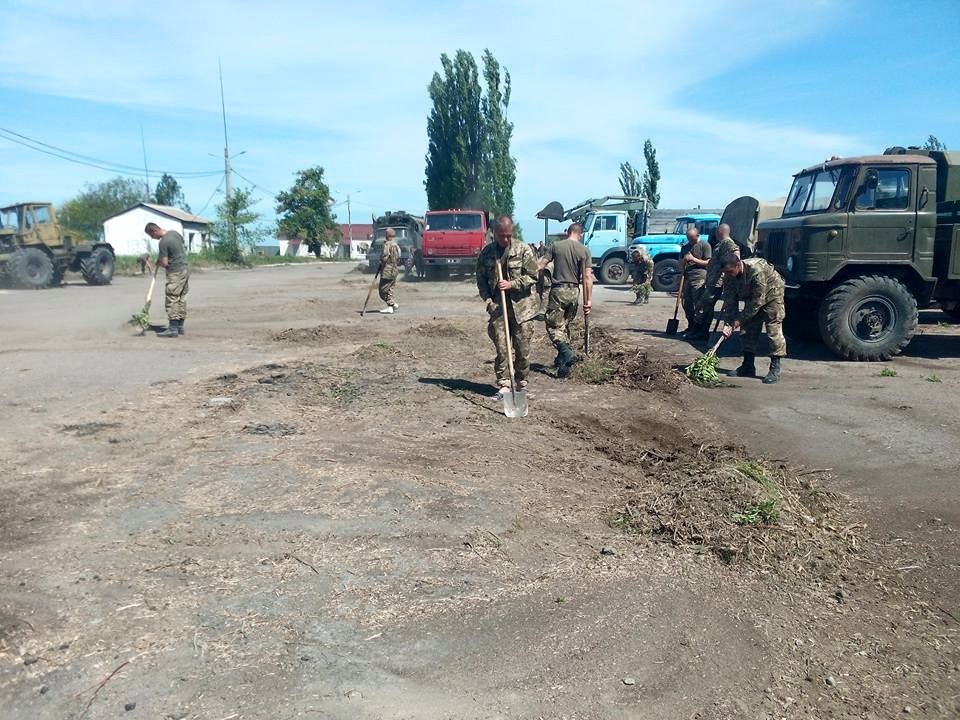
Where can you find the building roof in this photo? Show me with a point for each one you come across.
(361, 231)
(170, 212)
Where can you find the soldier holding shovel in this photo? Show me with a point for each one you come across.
(518, 270)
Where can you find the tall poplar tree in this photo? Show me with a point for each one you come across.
(468, 162)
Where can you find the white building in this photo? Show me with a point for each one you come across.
(124, 231)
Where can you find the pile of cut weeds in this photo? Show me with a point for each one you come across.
(610, 361)
(744, 510)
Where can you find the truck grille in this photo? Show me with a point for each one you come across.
(776, 248)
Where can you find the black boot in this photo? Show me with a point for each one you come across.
(774, 373)
(567, 358)
(173, 330)
(180, 327)
(748, 368)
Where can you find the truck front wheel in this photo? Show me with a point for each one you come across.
(97, 267)
(666, 275)
(868, 318)
(613, 271)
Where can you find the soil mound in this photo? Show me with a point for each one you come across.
(312, 335)
(441, 329)
(611, 361)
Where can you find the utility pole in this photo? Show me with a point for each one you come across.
(227, 170)
(349, 221)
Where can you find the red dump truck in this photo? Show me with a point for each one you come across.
(452, 239)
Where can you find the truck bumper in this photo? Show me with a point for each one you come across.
(451, 262)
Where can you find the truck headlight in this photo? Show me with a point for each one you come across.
(790, 264)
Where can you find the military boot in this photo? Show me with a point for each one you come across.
(747, 368)
(568, 358)
(180, 329)
(173, 330)
(774, 374)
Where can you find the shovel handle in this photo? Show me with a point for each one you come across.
(676, 307)
(506, 328)
(153, 282)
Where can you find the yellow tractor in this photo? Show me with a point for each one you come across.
(35, 251)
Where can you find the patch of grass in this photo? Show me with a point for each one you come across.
(934, 378)
(129, 264)
(766, 511)
(756, 472)
(887, 372)
(594, 371)
(942, 323)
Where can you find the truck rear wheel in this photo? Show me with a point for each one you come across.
(97, 267)
(31, 268)
(868, 318)
(666, 275)
(613, 271)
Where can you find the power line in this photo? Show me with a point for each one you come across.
(79, 159)
(215, 191)
(252, 183)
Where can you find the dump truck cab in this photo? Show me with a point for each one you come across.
(862, 243)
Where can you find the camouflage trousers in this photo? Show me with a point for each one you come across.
(520, 336)
(706, 307)
(771, 315)
(692, 292)
(175, 292)
(561, 311)
(387, 290)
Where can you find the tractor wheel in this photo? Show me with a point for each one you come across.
(613, 271)
(666, 275)
(97, 267)
(31, 268)
(868, 318)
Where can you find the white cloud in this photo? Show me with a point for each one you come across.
(344, 85)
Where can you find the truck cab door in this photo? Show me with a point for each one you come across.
(607, 232)
(883, 218)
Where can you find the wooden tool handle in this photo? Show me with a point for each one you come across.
(676, 307)
(506, 326)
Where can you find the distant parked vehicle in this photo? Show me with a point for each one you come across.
(452, 239)
(35, 251)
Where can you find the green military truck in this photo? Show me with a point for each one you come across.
(35, 251)
(863, 242)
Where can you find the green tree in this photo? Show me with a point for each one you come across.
(651, 176)
(96, 202)
(468, 162)
(500, 168)
(238, 228)
(630, 180)
(933, 143)
(170, 193)
(305, 212)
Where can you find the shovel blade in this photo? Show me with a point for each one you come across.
(672, 326)
(515, 403)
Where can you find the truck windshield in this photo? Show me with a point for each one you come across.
(8, 218)
(812, 192)
(455, 221)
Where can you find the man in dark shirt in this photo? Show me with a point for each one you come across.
(172, 257)
(694, 257)
(571, 268)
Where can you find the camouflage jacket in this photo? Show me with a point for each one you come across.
(757, 286)
(643, 269)
(390, 260)
(520, 266)
(714, 271)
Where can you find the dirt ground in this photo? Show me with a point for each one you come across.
(293, 512)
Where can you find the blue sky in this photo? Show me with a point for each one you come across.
(736, 96)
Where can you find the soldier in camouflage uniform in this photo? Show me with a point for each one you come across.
(642, 275)
(713, 289)
(571, 268)
(172, 257)
(389, 270)
(519, 269)
(758, 284)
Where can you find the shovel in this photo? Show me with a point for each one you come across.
(142, 318)
(514, 404)
(373, 284)
(674, 324)
(586, 334)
